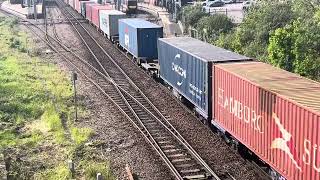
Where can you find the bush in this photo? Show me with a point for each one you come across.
(81, 135)
(92, 168)
(191, 15)
(210, 27)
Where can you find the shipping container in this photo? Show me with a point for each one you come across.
(95, 13)
(185, 64)
(109, 21)
(129, 5)
(15, 1)
(71, 3)
(89, 10)
(77, 5)
(276, 114)
(139, 37)
(83, 5)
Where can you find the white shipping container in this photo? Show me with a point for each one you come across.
(109, 21)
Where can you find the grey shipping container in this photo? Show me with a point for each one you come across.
(186, 65)
(139, 37)
(109, 21)
(83, 7)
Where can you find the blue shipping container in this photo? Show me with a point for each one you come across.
(185, 64)
(139, 37)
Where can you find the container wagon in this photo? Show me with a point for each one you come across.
(274, 113)
(77, 5)
(95, 13)
(139, 37)
(89, 10)
(83, 6)
(185, 64)
(71, 3)
(129, 6)
(109, 22)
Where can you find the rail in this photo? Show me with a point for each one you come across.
(136, 104)
(153, 134)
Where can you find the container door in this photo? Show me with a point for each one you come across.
(128, 38)
(147, 45)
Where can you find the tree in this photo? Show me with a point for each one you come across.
(210, 27)
(296, 48)
(280, 49)
(252, 36)
(191, 15)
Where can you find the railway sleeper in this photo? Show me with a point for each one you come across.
(165, 142)
(155, 131)
(143, 116)
(167, 146)
(173, 150)
(181, 160)
(151, 124)
(187, 165)
(195, 172)
(117, 100)
(177, 155)
(155, 134)
(200, 176)
(148, 120)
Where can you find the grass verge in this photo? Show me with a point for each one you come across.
(37, 132)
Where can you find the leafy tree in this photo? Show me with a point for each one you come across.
(281, 48)
(252, 36)
(210, 27)
(296, 48)
(191, 15)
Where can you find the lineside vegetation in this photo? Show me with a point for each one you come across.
(282, 33)
(37, 129)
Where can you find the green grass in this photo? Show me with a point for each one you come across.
(36, 112)
(81, 135)
(58, 173)
(93, 168)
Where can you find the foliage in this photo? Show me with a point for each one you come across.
(284, 34)
(81, 135)
(252, 36)
(210, 27)
(59, 172)
(35, 111)
(280, 48)
(92, 168)
(296, 48)
(191, 15)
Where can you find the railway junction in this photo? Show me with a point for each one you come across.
(139, 125)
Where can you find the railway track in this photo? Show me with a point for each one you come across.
(179, 156)
(102, 80)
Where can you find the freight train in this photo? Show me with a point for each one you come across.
(130, 6)
(269, 115)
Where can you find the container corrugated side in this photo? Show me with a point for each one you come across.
(71, 3)
(139, 41)
(89, 10)
(95, 13)
(83, 7)
(186, 73)
(109, 21)
(281, 131)
(77, 5)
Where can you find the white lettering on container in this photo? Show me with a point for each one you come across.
(178, 69)
(311, 155)
(240, 110)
